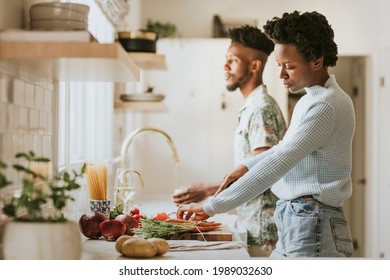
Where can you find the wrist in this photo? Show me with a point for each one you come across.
(212, 188)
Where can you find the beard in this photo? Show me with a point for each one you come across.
(233, 87)
(237, 83)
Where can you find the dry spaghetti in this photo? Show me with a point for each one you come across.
(97, 180)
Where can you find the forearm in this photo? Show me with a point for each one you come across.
(212, 188)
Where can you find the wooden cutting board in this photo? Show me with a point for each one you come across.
(214, 235)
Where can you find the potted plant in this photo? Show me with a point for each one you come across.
(38, 228)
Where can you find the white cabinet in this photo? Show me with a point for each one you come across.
(381, 193)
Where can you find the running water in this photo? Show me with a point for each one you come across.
(176, 177)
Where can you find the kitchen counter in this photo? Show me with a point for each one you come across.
(105, 250)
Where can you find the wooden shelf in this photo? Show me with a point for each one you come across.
(72, 61)
(148, 61)
(158, 107)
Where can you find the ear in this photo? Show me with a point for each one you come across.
(256, 65)
(318, 63)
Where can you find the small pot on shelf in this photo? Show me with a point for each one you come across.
(138, 40)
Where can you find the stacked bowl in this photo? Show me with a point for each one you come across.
(59, 16)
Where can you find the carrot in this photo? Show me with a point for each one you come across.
(198, 223)
(161, 216)
(179, 221)
(208, 224)
(204, 229)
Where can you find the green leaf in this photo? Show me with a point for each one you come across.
(42, 159)
(3, 165)
(66, 177)
(116, 211)
(24, 155)
(9, 210)
(3, 181)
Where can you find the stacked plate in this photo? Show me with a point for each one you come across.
(59, 16)
(145, 97)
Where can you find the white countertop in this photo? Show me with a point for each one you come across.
(105, 250)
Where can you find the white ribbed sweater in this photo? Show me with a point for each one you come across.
(314, 157)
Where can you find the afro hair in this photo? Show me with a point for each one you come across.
(310, 32)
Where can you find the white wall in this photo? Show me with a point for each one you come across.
(11, 14)
(352, 20)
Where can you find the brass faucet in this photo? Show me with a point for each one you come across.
(129, 139)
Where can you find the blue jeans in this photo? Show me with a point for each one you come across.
(309, 228)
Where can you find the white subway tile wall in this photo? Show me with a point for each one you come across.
(23, 123)
(25, 116)
(18, 93)
(39, 98)
(47, 100)
(3, 89)
(1, 142)
(34, 121)
(3, 117)
(29, 94)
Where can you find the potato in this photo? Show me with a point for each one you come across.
(161, 244)
(119, 242)
(139, 248)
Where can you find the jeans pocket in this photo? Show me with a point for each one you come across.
(341, 236)
(304, 208)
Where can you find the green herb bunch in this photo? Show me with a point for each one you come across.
(29, 206)
(117, 210)
(154, 228)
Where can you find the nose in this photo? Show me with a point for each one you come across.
(283, 73)
(226, 66)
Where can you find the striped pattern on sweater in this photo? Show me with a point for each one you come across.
(314, 157)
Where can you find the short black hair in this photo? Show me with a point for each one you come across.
(310, 32)
(251, 37)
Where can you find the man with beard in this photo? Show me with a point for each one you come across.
(261, 126)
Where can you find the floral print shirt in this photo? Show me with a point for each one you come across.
(261, 123)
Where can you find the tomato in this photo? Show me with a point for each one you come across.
(138, 217)
(161, 216)
(134, 211)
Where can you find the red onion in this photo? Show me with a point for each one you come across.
(89, 224)
(112, 229)
(129, 222)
